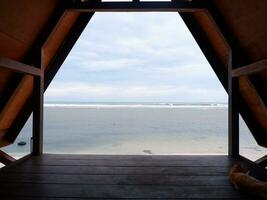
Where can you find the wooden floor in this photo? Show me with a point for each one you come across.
(118, 177)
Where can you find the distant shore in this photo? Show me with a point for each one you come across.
(137, 105)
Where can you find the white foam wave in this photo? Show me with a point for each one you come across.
(160, 105)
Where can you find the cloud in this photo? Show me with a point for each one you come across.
(112, 64)
(136, 56)
(104, 92)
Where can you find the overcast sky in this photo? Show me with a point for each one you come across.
(136, 57)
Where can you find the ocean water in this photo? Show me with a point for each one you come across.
(136, 128)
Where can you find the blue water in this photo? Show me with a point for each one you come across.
(136, 128)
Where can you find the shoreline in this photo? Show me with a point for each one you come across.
(138, 105)
(248, 156)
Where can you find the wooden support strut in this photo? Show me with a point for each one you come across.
(262, 161)
(250, 69)
(5, 158)
(256, 170)
(19, 67)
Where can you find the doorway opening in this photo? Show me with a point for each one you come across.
(136, 83)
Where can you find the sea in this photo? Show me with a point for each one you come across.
(136, 128)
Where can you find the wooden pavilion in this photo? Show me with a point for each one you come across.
(35, 39)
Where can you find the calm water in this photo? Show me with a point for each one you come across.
(136, 129)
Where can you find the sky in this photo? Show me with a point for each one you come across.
(136, 57)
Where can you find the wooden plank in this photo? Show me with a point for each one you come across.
(129, 163)
(90, 170)
(109, 182)
(19, 67)
(119, 157)
(250, 69)
(116, 191)
(38, 103)
(136, 6)
(6, 159)
(116, 179)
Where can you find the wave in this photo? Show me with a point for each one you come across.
(130, 105)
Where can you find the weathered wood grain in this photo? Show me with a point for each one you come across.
(118, 177)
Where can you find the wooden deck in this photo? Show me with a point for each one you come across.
(118, 177)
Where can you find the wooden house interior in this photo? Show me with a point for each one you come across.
(35, 39)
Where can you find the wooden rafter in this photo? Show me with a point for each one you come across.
(250, 69)
(239, 60)
(32, 57)
(255, 169)
(50, 72)
(253, 98)
(66, 47)
(5, 158)
(137, 6)
(19, 67)
(206, 48)
(262, 161)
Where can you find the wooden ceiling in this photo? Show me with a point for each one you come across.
(30, 29)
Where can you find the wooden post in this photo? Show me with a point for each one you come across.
(37, 125)
(233, 111)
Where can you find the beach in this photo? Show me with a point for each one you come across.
(136, 128)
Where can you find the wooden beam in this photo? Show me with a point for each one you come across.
(206, 48)
(50, 72)
(248, 90)
(66, 47)
(38, 103)
(5, 158)
(250, 69)
(32, 56)
(256, 170)
(41, 84)
(240, 59)
(262, 161)
(137, 6)
(19, 67)
(233, 111)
